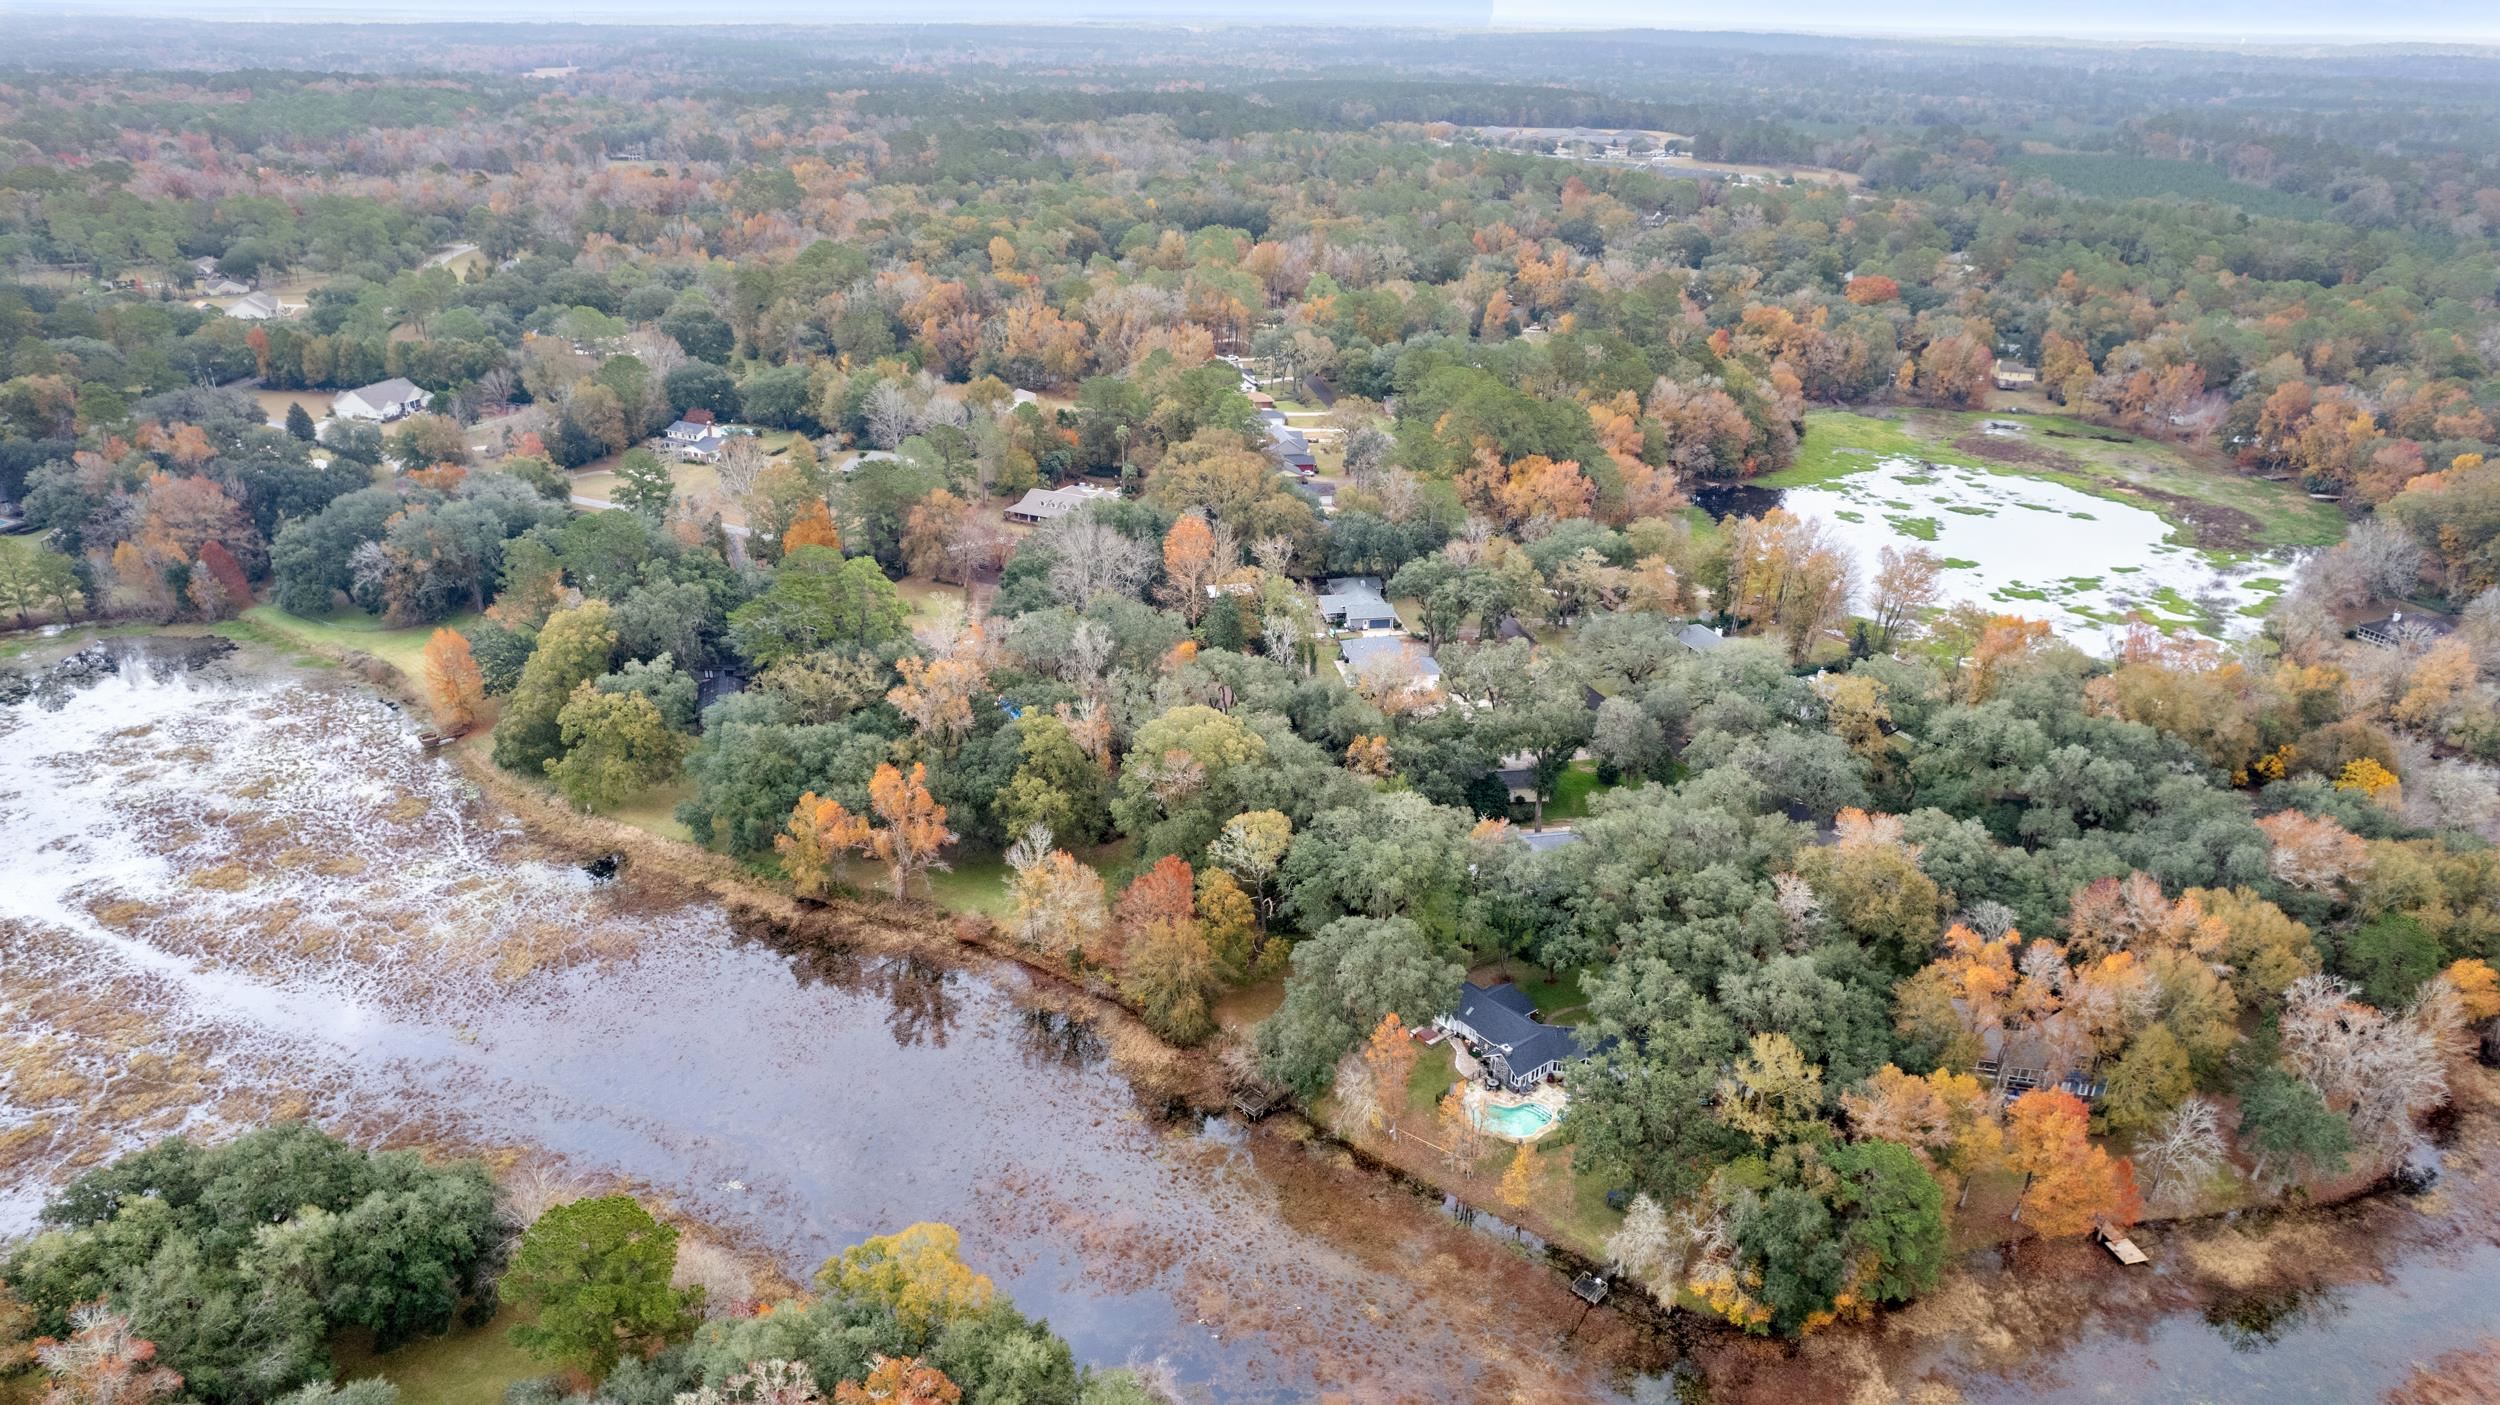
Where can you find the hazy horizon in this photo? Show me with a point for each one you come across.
(2236, 23)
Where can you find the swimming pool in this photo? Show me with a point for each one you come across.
(1519, 1121)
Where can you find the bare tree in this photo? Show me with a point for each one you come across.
(1091, 557)
(890, 417)
(2386, 559)
(2381, 1072)
(742, 460)
(2184, 1153)
(1906, 583)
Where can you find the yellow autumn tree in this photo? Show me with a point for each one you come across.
(1773, 1092)
(1519, 1181)
(1368, 756)
(2477, 987)
(2366, 775)
(918, 1274)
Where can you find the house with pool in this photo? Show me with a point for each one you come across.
(1497, 1025)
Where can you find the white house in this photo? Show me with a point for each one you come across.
(381, 402)
(257, 307)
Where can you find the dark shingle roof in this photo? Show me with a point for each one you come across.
(1499, 1014)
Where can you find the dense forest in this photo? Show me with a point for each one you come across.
(2231, 897)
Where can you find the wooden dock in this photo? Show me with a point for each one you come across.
(2119, 1245)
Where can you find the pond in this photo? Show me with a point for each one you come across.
(238, 892)
(2031, 546)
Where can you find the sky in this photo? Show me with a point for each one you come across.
(2232, 21)
(2262, 21)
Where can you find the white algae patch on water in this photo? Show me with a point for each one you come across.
(2028, 546)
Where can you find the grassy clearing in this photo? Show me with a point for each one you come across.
(401, 648)
(465, 1366)
(1552, 995)
(1573, 790)
(1239, 1009)
(2111, 465)
(977, 883)
(1841, 442)
(1435, 1074)
(654, 812)
(933, 605)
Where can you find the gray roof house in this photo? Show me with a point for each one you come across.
(382, 401)
(1356, 602)
(1500, 1022)
(1291, 448)
(1383, 660)
(1700, 638)
(1051, 504)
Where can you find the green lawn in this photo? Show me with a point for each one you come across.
(976, 883)
(1436, 1073)
(2110, 464)
(466, 1366)
(400, 648)
(1561, 995)
(1572, 792)
(655, 811)
(978, 880)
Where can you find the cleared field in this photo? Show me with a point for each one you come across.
(401, 648)
(273, 403)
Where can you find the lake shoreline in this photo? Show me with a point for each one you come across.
(1186, 1083)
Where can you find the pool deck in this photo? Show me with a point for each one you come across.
(1479, 1101)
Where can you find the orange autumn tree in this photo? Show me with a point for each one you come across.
(453, 683)
(812, 527)
(1946, 1119)
(820, 832)
(914, 830)
(936, 694)
(915, 824)
(2004, 641)
(899, 1380)
(1368, 756)
(1390, 1054)
(2072, 1183)
(1164, 893)
(1191, 563)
